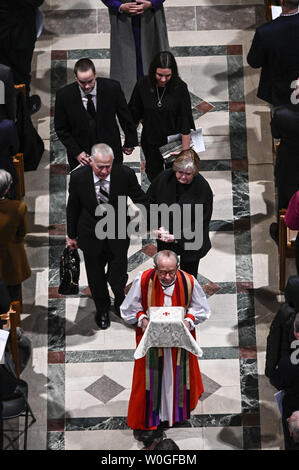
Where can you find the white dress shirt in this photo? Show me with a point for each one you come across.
(93, 93)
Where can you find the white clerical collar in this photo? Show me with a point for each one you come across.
(96, 179)
(169, 285)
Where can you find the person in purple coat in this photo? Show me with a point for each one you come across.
(138, 33)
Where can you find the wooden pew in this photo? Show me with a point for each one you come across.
(12, 320)
(18, 161)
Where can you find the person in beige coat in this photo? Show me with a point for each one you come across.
(14, 267)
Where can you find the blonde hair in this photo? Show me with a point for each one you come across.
(187, 159)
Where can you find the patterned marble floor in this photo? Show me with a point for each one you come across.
(80, 376)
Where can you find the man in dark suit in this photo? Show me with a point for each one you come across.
(275, 48)
(286, 377)
(90, 187)
(86, 112)
(17, 41)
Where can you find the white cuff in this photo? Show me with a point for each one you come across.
(191, 322)
(139, 323)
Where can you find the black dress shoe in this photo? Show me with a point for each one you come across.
(102, 320)
(274, 232)
(148, 436)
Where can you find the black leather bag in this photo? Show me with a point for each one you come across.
(69, 272)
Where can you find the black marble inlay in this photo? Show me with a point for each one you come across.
(120, 422)
(56, 324)
(249, 386)
(56, 391)
(55, 440)
(237, 135)
(241, 204)
(127, 355)
(136, 259)
(108, 355)
(221, 226)
(56, 245)
(226, 288)
(219, 106)
(251, 437)
(215, 165)
(76, 54)
(58, 76)
(235, 78)
(193, 51)
(217, 420)
(96, 424)
(229, 352)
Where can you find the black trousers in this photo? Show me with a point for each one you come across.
(98, 279)
(153, 159)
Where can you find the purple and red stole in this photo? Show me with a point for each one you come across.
(152, 295)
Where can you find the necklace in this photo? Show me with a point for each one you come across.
(159, 102)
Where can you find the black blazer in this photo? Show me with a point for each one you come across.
(284, 126)
(275, 48)
(82, 203)
(18, 22)
(163, 190)
(72, 122)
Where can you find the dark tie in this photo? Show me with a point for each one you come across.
(102, 194)
(90, 107)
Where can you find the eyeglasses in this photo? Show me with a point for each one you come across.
(163, 273)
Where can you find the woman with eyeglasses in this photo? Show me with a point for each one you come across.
(188, 231)
(161, 101)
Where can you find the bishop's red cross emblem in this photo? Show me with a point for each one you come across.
(166, 313)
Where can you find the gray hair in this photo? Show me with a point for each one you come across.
(103, 149)
(296, 323)
(166, 253)
(5, 181)
(185, 160)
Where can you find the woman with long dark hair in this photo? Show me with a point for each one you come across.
(161, 101)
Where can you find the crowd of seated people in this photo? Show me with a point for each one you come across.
(278, 86)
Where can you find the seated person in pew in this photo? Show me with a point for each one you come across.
(14, 267)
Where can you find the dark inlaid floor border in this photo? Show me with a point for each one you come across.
(238, 165)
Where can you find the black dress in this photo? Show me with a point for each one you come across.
(173, 117)
(166, 189)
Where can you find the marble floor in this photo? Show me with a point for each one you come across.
(79, 376)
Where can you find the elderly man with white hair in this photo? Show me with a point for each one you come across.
(166, 382)
(91, 188)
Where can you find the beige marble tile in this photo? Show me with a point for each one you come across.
(226, 400)
(221, 185)
(217, 147)
(223, 371)
(220, 255)
(215, 124)
(221, 329)
(186, 438)
(101, 440)
(227, 438)
(73, 41)
(206, 76)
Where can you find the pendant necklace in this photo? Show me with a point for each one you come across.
(159, 102)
